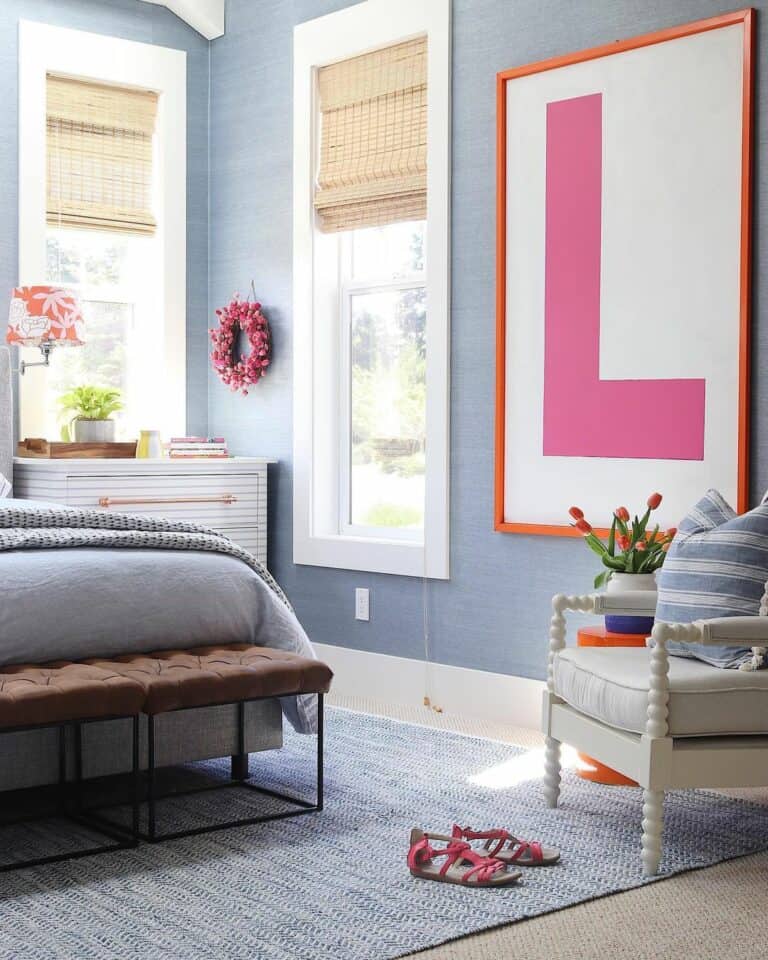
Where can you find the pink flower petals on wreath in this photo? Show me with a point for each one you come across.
(246, 316)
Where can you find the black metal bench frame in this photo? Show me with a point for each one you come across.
(122, 838)
(239, 779)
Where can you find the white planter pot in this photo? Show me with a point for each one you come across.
(630, 583)
(94, 431)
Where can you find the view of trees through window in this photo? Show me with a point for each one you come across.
(387, 362)
(113, 275)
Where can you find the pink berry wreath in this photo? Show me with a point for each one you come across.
(246, 316)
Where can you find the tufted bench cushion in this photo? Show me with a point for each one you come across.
(62, 691)
(205, 676)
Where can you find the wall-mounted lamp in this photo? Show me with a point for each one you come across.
(44, 317)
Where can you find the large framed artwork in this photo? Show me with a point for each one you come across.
(623, 275)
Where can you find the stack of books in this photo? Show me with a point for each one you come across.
(212, 448)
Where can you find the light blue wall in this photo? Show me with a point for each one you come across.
(493, 613)
(146, 23)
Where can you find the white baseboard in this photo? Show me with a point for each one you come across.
(456, 690)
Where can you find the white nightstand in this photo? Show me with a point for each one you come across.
(228, 495)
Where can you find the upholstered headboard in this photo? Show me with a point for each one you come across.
(6, 415)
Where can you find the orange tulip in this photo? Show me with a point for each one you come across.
(622, 542)
(621, 513)
(576, 513)
(665, 546)
(671, 532)
(581, 524)
(654, 500)
(640, 547)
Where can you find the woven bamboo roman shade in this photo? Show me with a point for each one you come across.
(373, 150)
(99, 162)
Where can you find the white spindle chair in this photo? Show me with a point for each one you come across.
(657, 760)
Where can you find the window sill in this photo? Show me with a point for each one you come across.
(401, 557)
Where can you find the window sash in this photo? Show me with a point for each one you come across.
(349, 288)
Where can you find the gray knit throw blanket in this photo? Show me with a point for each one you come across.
(57, 528)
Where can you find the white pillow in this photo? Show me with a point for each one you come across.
(5, 487)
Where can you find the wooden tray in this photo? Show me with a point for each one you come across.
(51, 450)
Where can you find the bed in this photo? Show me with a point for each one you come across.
(71, 601)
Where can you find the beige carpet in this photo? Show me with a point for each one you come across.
(714, 914)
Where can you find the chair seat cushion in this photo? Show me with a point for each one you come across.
(62, 691)
(204, 676)
(611, 685)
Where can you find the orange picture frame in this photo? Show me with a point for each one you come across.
(745, 17)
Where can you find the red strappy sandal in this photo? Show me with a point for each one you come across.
(462, 864)
(521, 853)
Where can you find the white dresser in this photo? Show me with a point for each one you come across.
(228, 495)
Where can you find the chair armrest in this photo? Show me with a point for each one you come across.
(557, 629)
(639, 603)
(719, 631)
(736, 631)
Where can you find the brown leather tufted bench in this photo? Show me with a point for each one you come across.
(174, 680)
(206, 676)
(65, 694)
(55, 693)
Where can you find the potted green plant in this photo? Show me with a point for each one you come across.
(88, 410)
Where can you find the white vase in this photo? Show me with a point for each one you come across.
(630, 583)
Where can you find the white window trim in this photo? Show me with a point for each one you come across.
(44, 49)
(316, 507)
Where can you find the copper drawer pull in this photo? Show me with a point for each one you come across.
(127, 501)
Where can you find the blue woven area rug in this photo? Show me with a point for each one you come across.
(334, 885)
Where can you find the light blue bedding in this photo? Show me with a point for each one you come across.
(62, 604)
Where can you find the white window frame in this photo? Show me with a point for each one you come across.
(47, 49)
(320, 537)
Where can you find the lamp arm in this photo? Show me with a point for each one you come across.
(46, 348)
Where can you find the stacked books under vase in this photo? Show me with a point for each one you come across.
(189, 448)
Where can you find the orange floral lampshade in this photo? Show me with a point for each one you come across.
(41, 315)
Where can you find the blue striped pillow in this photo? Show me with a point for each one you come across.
(717, 566)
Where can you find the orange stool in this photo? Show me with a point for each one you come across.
(600, 637)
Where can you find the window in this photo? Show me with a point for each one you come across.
(117, 279)
(371, 150)
(384, 350)
(102, 208)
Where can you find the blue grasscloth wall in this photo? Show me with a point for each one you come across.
(493, 612)
(145, 23)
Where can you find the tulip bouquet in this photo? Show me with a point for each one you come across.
(631, 546)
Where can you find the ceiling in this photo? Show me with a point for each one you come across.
(206, 16)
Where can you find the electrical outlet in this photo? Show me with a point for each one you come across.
(362, 608)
